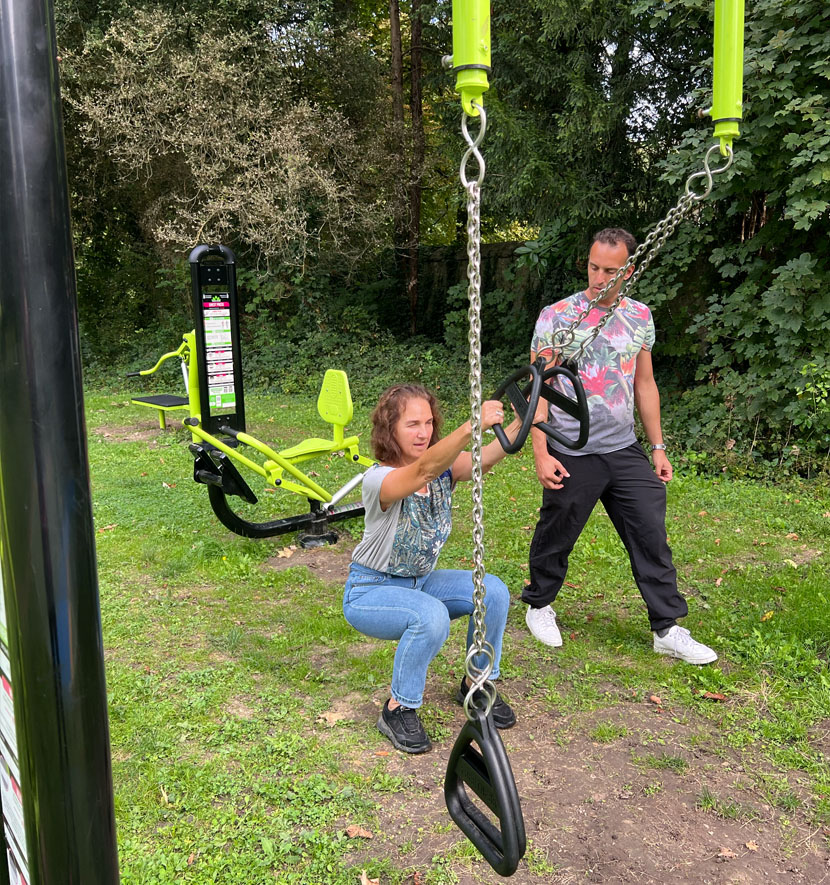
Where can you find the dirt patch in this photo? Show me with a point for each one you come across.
(135, 433)
(820, 738)
(238, 708)
(652, 806)
(329, 564)
(628, 794)
(805, 555)
(352, 708)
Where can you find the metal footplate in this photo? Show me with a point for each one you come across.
(218, 472)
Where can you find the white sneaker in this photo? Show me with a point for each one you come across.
(678, 643)
(542, 624)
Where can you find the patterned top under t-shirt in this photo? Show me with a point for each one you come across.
(405, 539)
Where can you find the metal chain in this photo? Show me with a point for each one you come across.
(477, 678)
(640, 260)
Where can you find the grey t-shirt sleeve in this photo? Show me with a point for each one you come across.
(375, 550)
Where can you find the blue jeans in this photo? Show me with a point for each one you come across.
(417, 612)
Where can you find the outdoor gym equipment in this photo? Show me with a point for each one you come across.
(212, 367)
(59, 825)
(210, 357)
(486, 771)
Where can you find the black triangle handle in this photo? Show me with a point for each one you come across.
(523, 401)
(576, 407)
(485, 771)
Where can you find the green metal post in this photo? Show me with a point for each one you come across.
(471, 51)
(728, 71)
(193, 380)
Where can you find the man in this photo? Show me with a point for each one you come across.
(616, 371)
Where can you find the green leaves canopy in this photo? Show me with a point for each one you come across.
(270, 127)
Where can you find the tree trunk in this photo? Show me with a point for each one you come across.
(400, 237)
(397, 64)
(416, 168)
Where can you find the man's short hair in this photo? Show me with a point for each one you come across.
(613, 236)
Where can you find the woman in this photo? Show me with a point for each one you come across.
(393, 590)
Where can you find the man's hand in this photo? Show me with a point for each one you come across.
(551, 472)
(662, 466)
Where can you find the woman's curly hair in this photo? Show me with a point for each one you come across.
(388, 411)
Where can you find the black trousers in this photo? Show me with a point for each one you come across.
(635, 500)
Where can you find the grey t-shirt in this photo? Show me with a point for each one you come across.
(606, 370)
(407, 537)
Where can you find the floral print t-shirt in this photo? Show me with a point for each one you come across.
(406, 538)
(607, 368)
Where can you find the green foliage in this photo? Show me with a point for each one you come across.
(265, 126)
(240, 122)
(758, 315)
(741, 294)
(587, 98)
(214, 140)
(505, 327)
(816, 394)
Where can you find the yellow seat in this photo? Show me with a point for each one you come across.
(334, 405)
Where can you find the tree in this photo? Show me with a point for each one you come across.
(244, 123)
(748, 285)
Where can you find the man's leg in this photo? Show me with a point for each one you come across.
(562, 517)
(636, 503)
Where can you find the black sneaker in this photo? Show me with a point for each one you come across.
(403, 727)
(503, 715)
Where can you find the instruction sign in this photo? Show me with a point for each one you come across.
(216, 317)
(218, 351)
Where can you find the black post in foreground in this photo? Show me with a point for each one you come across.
(55, 771)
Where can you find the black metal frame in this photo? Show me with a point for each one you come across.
(47, 534)
(218, 472)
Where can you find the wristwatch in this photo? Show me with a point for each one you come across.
(658, 446)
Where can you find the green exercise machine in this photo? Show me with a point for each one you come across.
(211, 364)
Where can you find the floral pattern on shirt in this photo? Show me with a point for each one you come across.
(607, 369)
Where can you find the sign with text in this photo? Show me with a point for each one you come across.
(218, 351)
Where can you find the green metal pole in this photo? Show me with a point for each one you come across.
(471, 51)
(728, 71)
(193, 380)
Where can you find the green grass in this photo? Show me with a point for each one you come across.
(219, 669)
(662, 761)
(728, 809)
(606, 732)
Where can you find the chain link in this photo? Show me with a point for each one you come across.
(645, 253)
(477, 678)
